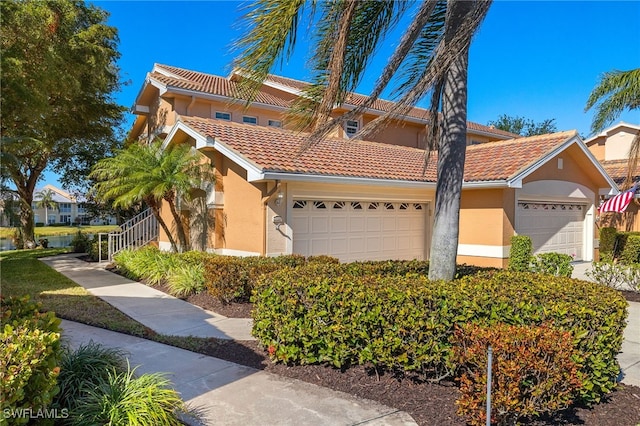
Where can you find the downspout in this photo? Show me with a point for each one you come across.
(265, 201)
(193, 101)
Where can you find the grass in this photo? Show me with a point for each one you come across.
(21, 273)
(50, 231)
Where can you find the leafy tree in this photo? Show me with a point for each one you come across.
(153, 174)
(58, 75)
(615, 92)
(431, 57)
(45, 201)
(523, 126)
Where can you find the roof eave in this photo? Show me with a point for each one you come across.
(353, 180)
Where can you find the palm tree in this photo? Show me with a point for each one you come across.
(431, 56)
(615, 92)
(46, 202)
(153, 175)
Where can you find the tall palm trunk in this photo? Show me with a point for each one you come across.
(182, 235)
(451, 157)
(156, 212)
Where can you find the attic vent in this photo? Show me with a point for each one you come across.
(560, 163)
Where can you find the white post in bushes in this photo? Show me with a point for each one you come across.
(489, 378)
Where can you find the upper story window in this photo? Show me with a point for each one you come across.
(65, 207)
(351, 127)
(249, 120)
(275, 123)
(223, 115)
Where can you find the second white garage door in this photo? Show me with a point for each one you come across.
(553, 227)
(357, 230)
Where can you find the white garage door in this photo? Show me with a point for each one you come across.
(357, 230)
(553, 227)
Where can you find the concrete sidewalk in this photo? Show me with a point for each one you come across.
(159, 311)
(227, 394)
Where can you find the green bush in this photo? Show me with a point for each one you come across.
(30, 353)
(607, 243)
(95, 251)
(185, 279)
(317, 314)
(123, 399)
(81, 243)
(85, 368)
(146, 263)
(557, 264)
(520, 254)
(533, 370)
(631, 251)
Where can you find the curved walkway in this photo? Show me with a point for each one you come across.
(223, 393)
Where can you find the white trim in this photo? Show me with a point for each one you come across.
(575, 139)
(481, 250)
(231, 252)
(161, 70)
(605, 133)
(303, 177)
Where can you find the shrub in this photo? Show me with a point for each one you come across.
(186, 279)
(123, 399)
(557, 264)
(30, 352)
(520, 254)
(125, 260)
(533, 371)
(631, 252)
(81, 243)
(607, 243)
(615, 275)
(98, 249)
(404, 323)
(147, 263)
(85, 368)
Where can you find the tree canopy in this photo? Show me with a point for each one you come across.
(59, 75)
(524, 126)
(615, 92)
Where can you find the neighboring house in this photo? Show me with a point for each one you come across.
(365, 200)
(68, 210)
(611, 149)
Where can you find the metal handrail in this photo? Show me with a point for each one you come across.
(136, 232)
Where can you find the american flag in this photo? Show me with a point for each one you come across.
(620, 202)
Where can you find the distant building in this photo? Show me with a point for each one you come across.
(69, 210)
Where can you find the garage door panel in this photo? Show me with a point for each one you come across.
(359, 230)
(553, 227)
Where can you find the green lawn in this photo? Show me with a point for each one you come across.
(49, 231)
(21, 273)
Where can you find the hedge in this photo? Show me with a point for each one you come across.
(30, 353)
(520, 254)
(316, 314)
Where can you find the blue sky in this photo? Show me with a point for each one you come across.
(536, 59)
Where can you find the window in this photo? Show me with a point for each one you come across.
(52, 219)
(223, 116)
(299, 204)
(351, 127)
(373, 206)
(388, 206)
(65, 218)
(356, 205)
(65, 207)
(319, 205)
(275, 123)
(249, 120)
(338, 205)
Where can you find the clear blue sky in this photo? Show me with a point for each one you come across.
(536, 59)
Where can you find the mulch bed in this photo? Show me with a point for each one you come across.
(427, 403)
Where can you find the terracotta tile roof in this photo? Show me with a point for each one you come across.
(505, 159)
(211, 84)
(384, 105)
(279, 150)
(617, 169)
(208, 83)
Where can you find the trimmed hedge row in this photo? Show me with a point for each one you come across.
(624, 246)
(30, 353)
(319, 313)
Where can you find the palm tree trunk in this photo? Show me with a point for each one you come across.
(156, 212)
(182, 235)
(451, 157)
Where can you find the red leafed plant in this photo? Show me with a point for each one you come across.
(533, 370)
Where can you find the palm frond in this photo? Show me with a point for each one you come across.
(272, 33)
(615, 92)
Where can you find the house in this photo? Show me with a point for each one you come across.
(363, 200)
(611, 149)
(69, 210)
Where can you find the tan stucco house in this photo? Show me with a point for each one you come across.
(363, 200)
(611, 148)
